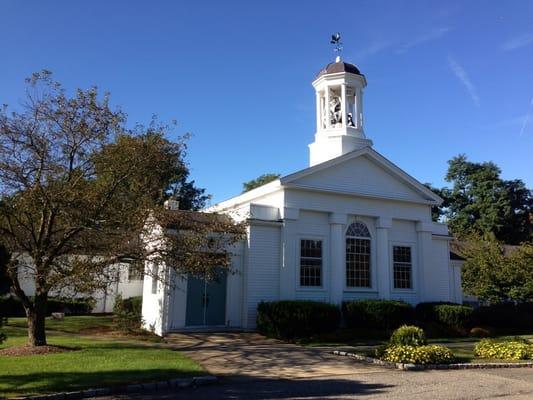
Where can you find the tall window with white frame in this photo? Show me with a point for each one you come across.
(310, 262)
(358, 252)
(402, 267)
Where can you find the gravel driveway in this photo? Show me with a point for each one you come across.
(253, 367)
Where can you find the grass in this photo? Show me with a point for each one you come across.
(98, 362)
(70, 324)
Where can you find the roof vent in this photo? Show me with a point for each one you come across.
(171, 204)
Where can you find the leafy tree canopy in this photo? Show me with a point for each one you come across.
(481, 202)
(259, 181)
(80, 191)
(495, 272)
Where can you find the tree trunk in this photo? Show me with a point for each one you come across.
(36, 327)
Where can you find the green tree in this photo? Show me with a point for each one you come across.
(259, 181)
(80, 192)
(5, 281)
(495, 272)
(481, 202)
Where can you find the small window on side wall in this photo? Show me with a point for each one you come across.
(310, 262)
(155, 274)
(402, 267)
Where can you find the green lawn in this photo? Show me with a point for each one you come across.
(96, 362)
(71, 324)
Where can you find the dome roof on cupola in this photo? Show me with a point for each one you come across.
(339, 66)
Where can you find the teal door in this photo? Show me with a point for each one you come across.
(206, 301)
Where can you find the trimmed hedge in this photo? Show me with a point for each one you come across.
(505, 316)
(293, 319)
(451, 315)
(128, 313)
(12, 306)
(381, 314)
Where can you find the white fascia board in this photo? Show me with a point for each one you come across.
(358, 194)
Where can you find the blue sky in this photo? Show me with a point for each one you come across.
(443, 77)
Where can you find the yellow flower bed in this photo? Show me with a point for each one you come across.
(432, 354)
(506, 350)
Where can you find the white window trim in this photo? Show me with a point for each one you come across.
(325, 263)
(414, 267)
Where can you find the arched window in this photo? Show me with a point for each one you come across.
(358, 255)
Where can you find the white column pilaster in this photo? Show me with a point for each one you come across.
(383, 258)
(318, 112)
(337, 222)
(326, 107)
(359, 106)
(289, 248)
(423, 231)
(343, 105)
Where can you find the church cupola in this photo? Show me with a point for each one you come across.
(339, 112)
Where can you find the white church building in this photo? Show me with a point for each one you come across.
(350, 226)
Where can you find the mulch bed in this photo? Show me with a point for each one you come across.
(17, 351)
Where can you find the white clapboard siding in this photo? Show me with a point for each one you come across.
(263, 268)
(360, 175)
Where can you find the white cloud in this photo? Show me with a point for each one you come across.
(463, 77)
(424, 38)
(518, 42)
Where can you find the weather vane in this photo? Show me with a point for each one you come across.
(336, 40)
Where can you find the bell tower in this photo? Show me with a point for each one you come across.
(339, 112)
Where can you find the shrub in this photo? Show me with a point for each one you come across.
(76, 306)
(450, 315)
(505, 316)
(291, 319)
(12, 306)
(382, 314)
(430, 354)
(408, 335)
(504, 350)
(480, 332)
(128, 313)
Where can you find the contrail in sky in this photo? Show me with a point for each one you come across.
(526, 119)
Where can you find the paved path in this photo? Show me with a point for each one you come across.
(253, 367)
(250, 355)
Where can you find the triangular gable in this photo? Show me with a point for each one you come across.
(362, 172)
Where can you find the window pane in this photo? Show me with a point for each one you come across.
(310, 262)
(402, 267)
(357, 262)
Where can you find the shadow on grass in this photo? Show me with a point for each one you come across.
(52, 382)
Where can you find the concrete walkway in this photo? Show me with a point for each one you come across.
(250, 355)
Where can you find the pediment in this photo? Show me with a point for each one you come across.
(365, 173)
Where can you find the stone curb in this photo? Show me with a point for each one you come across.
(419, 367)
(135, 388)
